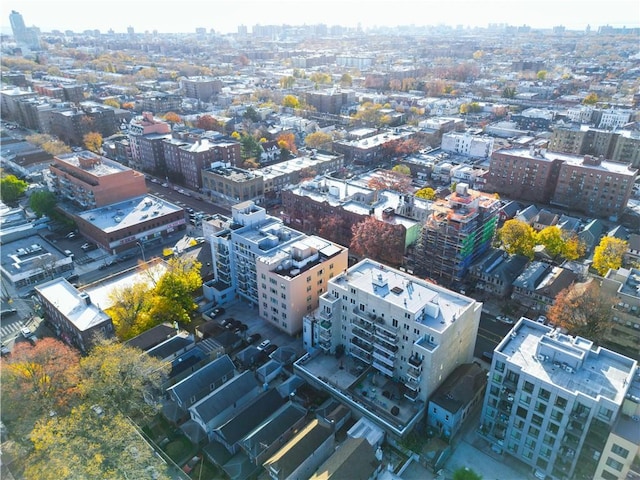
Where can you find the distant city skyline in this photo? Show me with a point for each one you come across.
(225, 16)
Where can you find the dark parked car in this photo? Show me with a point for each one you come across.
(233, 324)
(270, 349)
(226, 321)
(253, 338)
(216, 312)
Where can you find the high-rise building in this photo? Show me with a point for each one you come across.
(28, 36)
(393, 339)
(457, 232)
(553, 400)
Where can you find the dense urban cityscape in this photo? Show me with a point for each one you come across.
(313, 251)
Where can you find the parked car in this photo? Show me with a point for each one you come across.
(270, 349)
(216, 312)
(264, 344)
(4, 351)
(26, 332)
(232, 325)
(253, 338)
(542, 319)
(504, 319)
(87, 247)
(226, 321)
(71, 235)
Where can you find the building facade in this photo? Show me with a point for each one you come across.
(552, 399)
(93, 181)
(456, 233)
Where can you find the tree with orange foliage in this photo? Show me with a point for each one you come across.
(400, 147)
(129, 105)
(172, 117)
(287, 141)
(336, 229)
(207, 122)
(378, 240)
(38, 380)
(93, 142)
(390, 180)
(584, 310)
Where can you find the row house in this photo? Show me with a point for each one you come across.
(539, 284)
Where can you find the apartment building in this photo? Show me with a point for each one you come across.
(623, 285)
(201, 88)
(330, 100)
(71, 125)
(553, 399)
(402, 337)
(291, 280)
(258, 258)
(458, 231)
(91, 180)
(161, 102)
(592, 185)
(139, 128)
(233, 185)
(369, 150)
(75, 319)
(467, 144)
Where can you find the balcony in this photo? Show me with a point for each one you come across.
(383, 369)
(324, 325)
(414, 372)
(361, 355)
(325, 346)
(411, 395)
(570, 441)
(364, 316)
(361, 334)
(389, 350)
(413, 383)
(325, 334)
(382, 358)
(415, 361)
(326, 315)
(384, 329)
(384, 336)
(367, 347)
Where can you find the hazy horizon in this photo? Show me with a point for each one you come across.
(225, 16)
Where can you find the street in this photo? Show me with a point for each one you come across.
(490, 333)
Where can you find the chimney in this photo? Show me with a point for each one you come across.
(85, 296)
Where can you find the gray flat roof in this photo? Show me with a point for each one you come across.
(128, 213)
(101, 167)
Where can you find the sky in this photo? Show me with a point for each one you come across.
(224, 16)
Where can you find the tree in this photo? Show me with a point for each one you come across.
(37, 381)
(48, 143)
(251, 114)
(129, 105)
(207, 122)
(91, 443)
(173, 117)
(290, 101)
(346, 80)
(336, 229)
(178, 283)
(250, 164)
(584, 310)
(517, 237)
(43, 203)
(318, 140)
(574, 247)
(402, 170)
(122, 379)
(509, 92)
(378, 240)
(112, 102)
(542, 75)
(93, 142)
(12, 188)
(609, 254)
(590, 99)
(129, 311)
(465, 473)
(287, 141)
(390, 180)
(249, 147)
(287, 82)
(552, 239)
(427, 193)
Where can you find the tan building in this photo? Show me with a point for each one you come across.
(291, 280)
(622, 447)
(233, 185)
(91, 180)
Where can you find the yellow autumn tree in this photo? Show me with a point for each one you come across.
(609, 254)
(93, 142)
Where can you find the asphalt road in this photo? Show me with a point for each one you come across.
(490, 333)
(185, 201)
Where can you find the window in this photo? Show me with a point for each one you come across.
(605, 412)
(528, 387)
(533, 431)
(541, 407)
(608, 476)
(552, 428)
(556, 415)
(536, 420)
(521, 412)
(544, 394)
(616, 465)
(561, 402)
(618, 450)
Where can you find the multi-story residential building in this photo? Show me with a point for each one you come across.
(623, 285)
(139, 128)
(291, 280)
(23, 35)
(75, 319)
(9, 102)
(457, 232)
(627, 148)
(553, 399)
(91, 180)
(467, 144)
(592, 185)
(201, 88)
(583, 140)
(331, 100)
(233, 185)
(159, 102)
(369, 150)
(71, 125)
(403, 336)
(623, 444)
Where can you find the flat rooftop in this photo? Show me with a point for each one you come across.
(72, 304)
(294, 165)
(128, 213)
(431, 305)
(96, 165)
(27, 254)
(601, 371)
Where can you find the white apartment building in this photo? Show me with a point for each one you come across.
(553, 399)
(467, 144)
(401, 336)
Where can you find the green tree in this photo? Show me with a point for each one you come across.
(465, 473)
(92, 443)
(122, 379)
(584, 310)
(12, 188)
(346, 80)
(402, 170)
(290, 101)
(517, 237)
(427, 193)
(542, 75)
(509, 92)
(249, 147)
(43, 203)
(287, 82)
(609, 254)
(179, 282)
(129, 311)
(251, 114)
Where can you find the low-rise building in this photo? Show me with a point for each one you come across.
(75, 319)
(539, 284)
